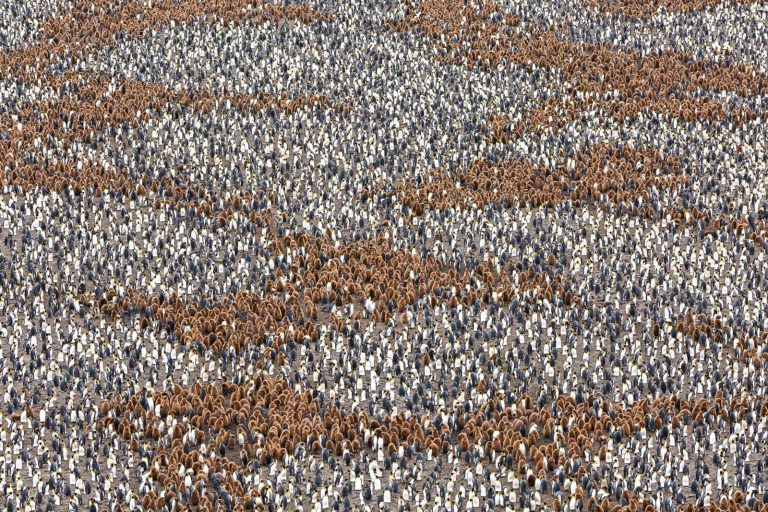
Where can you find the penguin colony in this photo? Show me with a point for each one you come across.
(396, 255)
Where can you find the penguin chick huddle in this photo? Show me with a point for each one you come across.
(412, 255)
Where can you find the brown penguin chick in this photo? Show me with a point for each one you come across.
(194, 497)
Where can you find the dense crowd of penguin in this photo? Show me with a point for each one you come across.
(383, 255)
